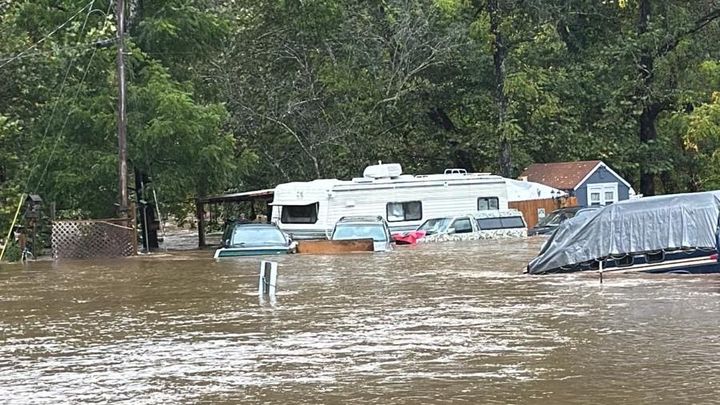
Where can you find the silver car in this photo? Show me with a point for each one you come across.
(375, 228)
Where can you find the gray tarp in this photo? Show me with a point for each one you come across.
(634, 226)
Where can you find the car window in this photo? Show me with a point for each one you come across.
(512, 222)
(554, 219)
(462, 225)
(489, 223)
(435, 225)
(255, 236)
(376, 232)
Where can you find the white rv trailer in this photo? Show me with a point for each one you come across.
(309, 210)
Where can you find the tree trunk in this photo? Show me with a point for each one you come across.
(499, 56)
(650, 111)
(648, 132)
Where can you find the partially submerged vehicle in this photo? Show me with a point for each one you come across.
(355, 228)
(252, 239)
(552, 221)
(310, 210)
(488, 224)
(665, 234)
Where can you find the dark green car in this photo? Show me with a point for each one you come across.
(252, 239)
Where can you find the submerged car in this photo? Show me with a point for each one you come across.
(251, 239)
(355, 228)
(551, 222)
(486, 224)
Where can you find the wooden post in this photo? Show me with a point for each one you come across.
(200, 213)
(122, 115)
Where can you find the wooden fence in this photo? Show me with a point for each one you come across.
(114, 237)
(532, 209)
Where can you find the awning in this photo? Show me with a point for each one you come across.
(294, 202)
(236, 197)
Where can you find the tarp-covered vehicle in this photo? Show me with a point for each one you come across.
(672, 233)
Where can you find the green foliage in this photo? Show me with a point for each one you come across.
(236, 95)
(12, 253)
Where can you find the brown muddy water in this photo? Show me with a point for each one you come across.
(445, 323)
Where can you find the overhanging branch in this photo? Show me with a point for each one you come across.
(700, 23)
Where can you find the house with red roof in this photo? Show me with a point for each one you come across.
(592, 182)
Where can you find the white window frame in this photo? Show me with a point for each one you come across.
(602, 188)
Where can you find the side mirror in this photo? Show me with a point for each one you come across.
(226, 243)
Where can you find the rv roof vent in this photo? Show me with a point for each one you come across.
(383, 170)
(455, 171)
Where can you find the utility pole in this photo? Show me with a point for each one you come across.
(122, 115)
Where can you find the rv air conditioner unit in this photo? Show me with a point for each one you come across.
(383, 171)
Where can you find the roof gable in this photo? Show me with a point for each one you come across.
(563, 175)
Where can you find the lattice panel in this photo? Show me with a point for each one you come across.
(88, 239)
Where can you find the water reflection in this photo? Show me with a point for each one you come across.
(448, 323)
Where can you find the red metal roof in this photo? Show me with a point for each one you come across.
(563, 175)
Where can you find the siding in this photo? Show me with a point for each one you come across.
(601, 175)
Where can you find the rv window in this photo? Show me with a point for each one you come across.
(404, 211)
(488, 203)
(299, 214)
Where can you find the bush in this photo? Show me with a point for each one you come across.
(12, 252)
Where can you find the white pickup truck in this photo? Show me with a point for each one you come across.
(487, 224)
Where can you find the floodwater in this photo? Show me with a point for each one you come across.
(435, 324)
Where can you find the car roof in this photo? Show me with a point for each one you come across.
(239, 224)
(349, 219)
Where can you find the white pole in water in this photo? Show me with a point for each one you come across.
(268, 278)
(601, 271)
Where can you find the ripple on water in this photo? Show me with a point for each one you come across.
(446, 323)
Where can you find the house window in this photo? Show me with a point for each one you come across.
(609, 197)
(488, 203)
(299, 214)
(602, 194)
(404, 211)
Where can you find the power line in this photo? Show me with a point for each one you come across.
(46, 52)
(58, 28)
(57, 102)
(75, 97)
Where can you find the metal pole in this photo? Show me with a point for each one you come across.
(122, 115)
(145, 228)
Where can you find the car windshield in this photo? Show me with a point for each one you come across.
(555, 218)
(360, 231)
(257, 236)
(435, 225)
